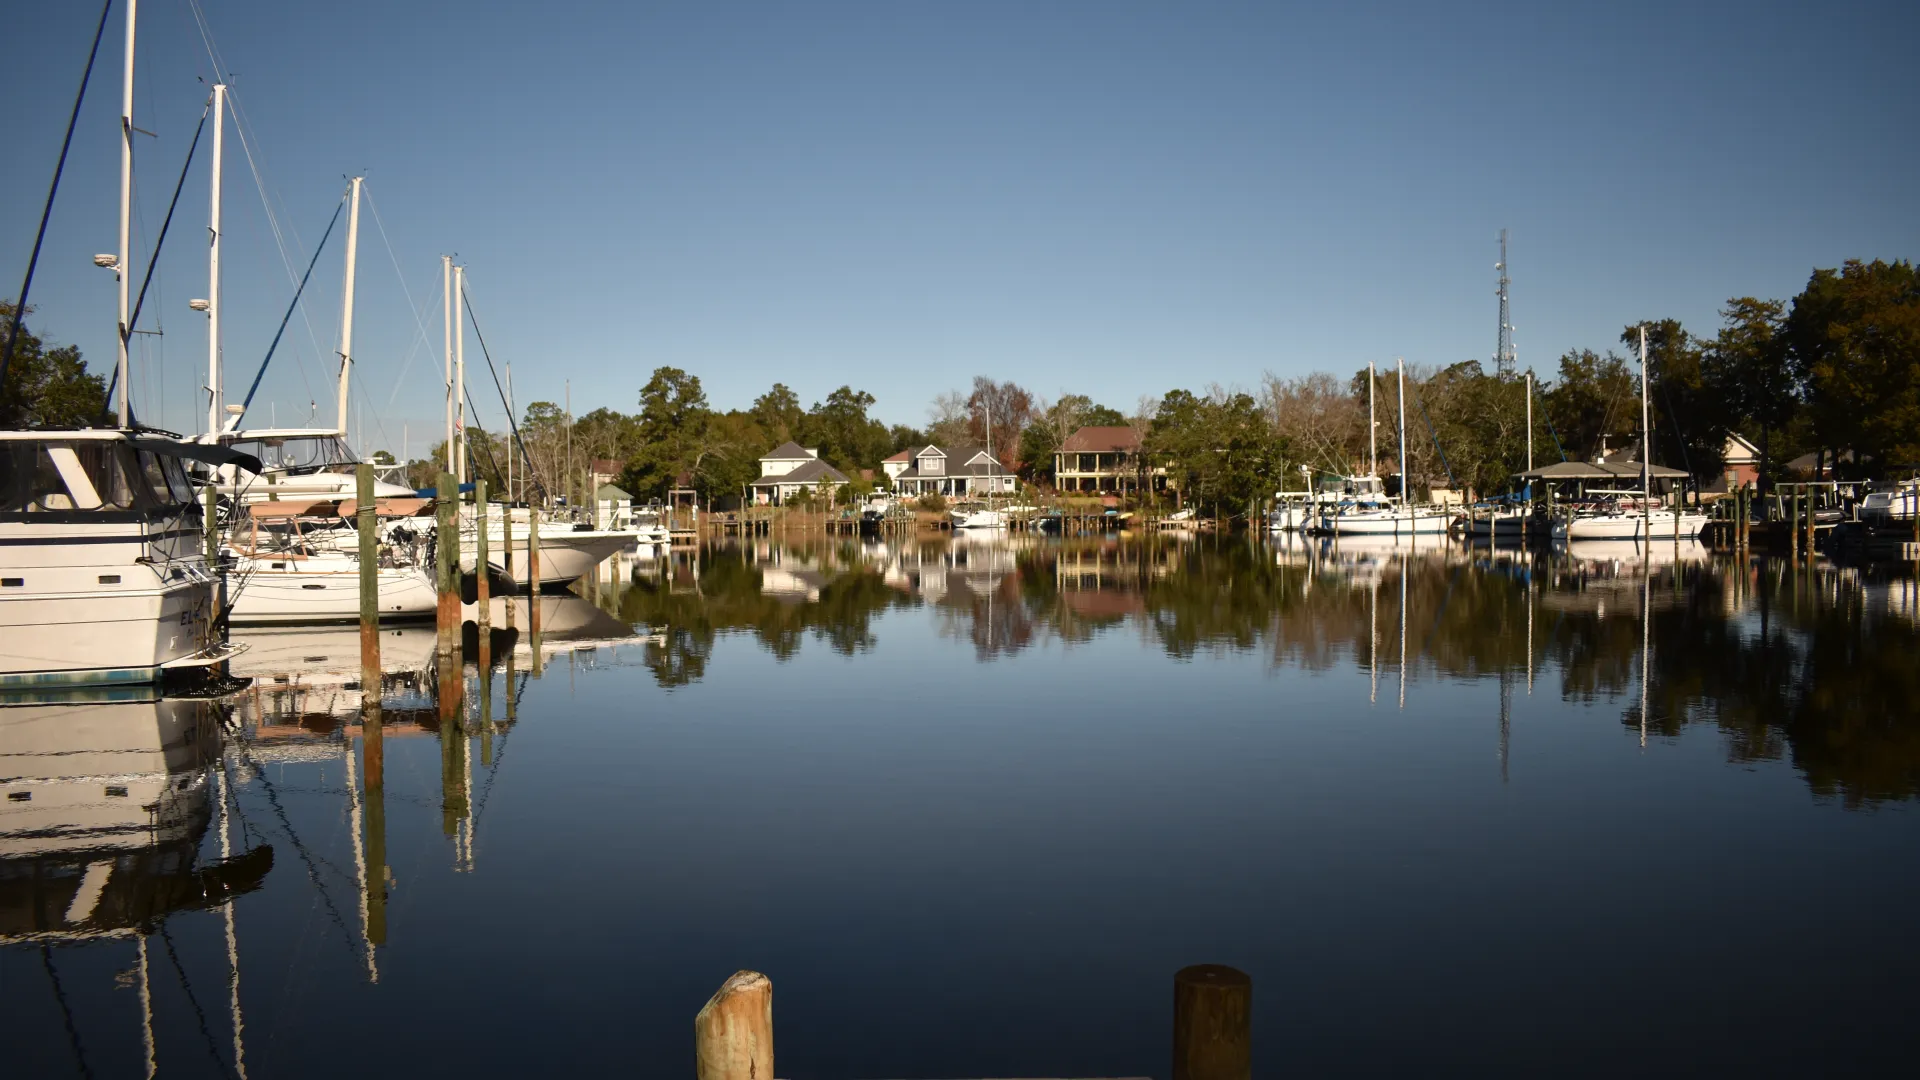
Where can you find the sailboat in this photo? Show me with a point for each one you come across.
(1381, 518)
(983, 517)
(105, 578)
(1622, 521)
(294, 560)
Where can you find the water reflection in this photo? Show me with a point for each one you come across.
(1794, 661)
(165, 847)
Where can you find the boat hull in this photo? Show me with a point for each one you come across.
(565, 556)
(1386, 524)
(267, 596)
(1663, 525)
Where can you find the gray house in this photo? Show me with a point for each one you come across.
(959, 471)
(789, 468)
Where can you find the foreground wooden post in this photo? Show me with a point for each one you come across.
(1212, 1024)
(372, 745)
(533, 584)
(482, 589)
(447, 558)
(733, 1033)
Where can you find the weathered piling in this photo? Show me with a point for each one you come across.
(453, 747)
(447, 559)
(482, 588)
(1212, 1024)
(733, 1033)
(376, 826)
(533, 585)
(372, 745)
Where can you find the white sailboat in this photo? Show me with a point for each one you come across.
(1382, 518)
(1645, 522)
(983, 517)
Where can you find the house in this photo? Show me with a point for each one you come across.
(1103, 459)
(953, 471)
(612, 507)
(790, 468)
(897, 464)
(1741, 465)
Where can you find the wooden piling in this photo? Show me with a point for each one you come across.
(1212, 1024)
(447, 559)
(482, 588)
(533, 584)
(373, 746)
(376, 826)
(733, 1033)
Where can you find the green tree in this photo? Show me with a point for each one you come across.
(1594, 396)
(674, 429)
(1221, 451)
(1747, 366)
(48, 388)
(779, 414)
(1854, 339)
(840, 429)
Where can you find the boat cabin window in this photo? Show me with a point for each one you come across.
(298, 453)
(87, 474)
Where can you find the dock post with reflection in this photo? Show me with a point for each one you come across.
(374, 747)
(447, 560)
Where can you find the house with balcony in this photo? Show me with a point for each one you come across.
(1104, 460)
(790, 468)
(953, 471)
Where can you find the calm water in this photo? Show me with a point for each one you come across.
(971, 804)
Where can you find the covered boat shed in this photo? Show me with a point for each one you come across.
(1613, 475)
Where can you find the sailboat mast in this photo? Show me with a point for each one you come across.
(1373, 453)
(1646, 442)
(446, 342)
(346, 303)
(1406, 487)
(1529, 420)
(122, 269)
(213, 263)
(460, 369)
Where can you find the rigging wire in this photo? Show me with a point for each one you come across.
(213, 1048)
(295, 303)
(419, 320)
(66, 1008)
(46, 212)
(512, 423)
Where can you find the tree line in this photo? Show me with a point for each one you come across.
(1835, 370)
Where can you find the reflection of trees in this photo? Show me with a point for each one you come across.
(1811, 674)
(727, 597)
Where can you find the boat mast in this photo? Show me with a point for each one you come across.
(121, 266)
(1646, 443)
(460, 369)
(1373, 453)
(1529, 419)
(446, 341)
(346, 303)
(1406, 488)
(213, 265)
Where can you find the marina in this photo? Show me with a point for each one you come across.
(1000, 514)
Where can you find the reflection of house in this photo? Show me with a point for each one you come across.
(788, 469)
(943, 470)
(1102, 459)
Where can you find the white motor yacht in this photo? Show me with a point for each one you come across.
(979, 517)
(104, 578)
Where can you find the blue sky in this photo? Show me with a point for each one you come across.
(1107, 198)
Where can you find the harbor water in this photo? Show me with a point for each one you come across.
(970, 803)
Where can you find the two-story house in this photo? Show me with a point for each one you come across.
(790, 468)
(953, 471)
(1104, 460)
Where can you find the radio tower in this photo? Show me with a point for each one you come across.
(1503, 353)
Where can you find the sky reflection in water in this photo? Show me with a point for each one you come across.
(970, 804)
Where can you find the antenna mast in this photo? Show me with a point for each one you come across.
(1503, 358)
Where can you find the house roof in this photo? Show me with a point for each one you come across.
(612, 491)
(1599, 470)
(1102, 440)
(812, 472)
(904, 455)
(789, 451)
(1740, 450)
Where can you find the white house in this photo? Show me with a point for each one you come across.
(789, 468)
(951, 471)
